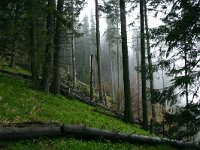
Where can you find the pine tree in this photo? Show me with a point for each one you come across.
(98, 51)
(143, 66)
(57, 42)
(127, 94)
(150, 68)
(47, 73)
(33, 45)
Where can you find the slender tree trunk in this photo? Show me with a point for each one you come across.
(73, 51)
(112, 70)
(112, 78)
(127, 94)
(98, 51)
(91, 78)
(143, 67)
(49, 47)
(186, 85)
(186, 75)
(57, 42)
(73, 63)
(138, 78)
(33, 46)
(118, 100)
(150, 64)
(12, 61)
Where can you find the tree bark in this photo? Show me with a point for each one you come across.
(15, 133)
(73, 50)
(98, 52)
(138, 79)
(97, 134)
(83, 132)
(127, 93)
(118, 100)
(57, 42)
(150, 64)
(143, 66)
(91, 78)
(33, 46)
(47, 75)
(14, 35)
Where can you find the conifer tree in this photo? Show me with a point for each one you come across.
(127, 94)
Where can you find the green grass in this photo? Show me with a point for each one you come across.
(19, 103)
(4, 65)
(73, 144)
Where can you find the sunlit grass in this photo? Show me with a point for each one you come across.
(19, 103)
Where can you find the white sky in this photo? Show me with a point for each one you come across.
(90, 6)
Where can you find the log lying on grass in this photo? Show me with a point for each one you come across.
(17, 75)
(97, 134)
(15, 133)
(83, 132)
(65, 91)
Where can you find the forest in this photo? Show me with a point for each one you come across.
(135, 60)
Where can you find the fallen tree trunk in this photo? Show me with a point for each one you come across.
(15, 133)
(83, 132)
(65, 90)
(17, 75)
(97, 134)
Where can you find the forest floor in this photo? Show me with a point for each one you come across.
(19, 103)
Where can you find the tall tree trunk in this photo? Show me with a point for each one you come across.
(49, 46)
(118, 100)
(127, 94)
(186, 74)
(12, 61)
(14, 35)
(150, 64)
(112, 78)
(112, 70)
(98, 51)
(73, 49)
(138, 78)
(33, 46)
(186, 84)
(91, 78)
(57, 42)
(143, 66)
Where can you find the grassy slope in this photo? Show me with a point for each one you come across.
(19, 103)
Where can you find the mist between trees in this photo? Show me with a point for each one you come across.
(49, 39)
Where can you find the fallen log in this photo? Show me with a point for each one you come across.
(17, 75)
(16, 133)
(84, 132)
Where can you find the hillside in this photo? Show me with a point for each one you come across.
(19, 103)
